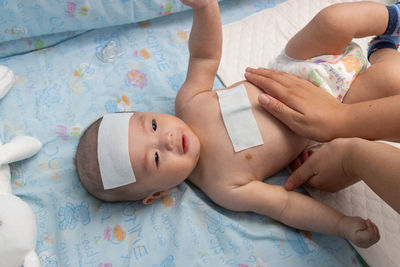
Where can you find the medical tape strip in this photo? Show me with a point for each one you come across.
(238, 118)
(113, 150)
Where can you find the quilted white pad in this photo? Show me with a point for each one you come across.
(253, 42)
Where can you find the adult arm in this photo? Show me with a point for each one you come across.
(313, 113)
(343, 162)
(307, 109)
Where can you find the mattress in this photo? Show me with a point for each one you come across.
(63, 87)
(256, 40)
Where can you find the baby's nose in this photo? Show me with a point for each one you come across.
(169, 141)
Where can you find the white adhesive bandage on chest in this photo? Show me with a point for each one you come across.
(113, 150)
(238, 118)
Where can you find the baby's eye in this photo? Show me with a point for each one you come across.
(156, 158)
(154, 125)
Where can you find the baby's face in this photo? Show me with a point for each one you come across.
(163, 150)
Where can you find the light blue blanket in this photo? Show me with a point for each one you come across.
(60, 90)
(42, 23)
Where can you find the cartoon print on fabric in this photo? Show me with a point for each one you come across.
(144, 24)
(72, 9)
(86, 70)
(37, 43)
(315, 78)
(136, 78)
(121, 103)
(215, 222)
(65, 133)
(17, 175)
(172, 199)
(300, 242)
(142, 53)
(165, 10)
(48, 260)
(20, 31)
(72, 214)
(169, 261)
(352, 63)
(180, 37)
(116, 235)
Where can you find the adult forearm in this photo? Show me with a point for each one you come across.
(373, 120)
(206, 35)
(378, 165)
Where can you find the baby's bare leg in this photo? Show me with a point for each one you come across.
(381, 79)
(335, 26)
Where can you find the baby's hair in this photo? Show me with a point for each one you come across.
(87, 166)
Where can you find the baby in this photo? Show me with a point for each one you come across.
(221, 140)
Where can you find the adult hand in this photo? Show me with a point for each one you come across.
(326, 169)
(306, 109)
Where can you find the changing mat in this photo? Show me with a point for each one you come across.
(60, 90)
(256, 40)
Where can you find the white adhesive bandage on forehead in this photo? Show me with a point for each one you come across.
(238, 118)
(113, 150)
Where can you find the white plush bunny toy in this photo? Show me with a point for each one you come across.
(18, 228)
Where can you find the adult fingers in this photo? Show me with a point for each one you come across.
(280, 111)
(282, 77)
(280, 85)
(299, 177)
(266, 83)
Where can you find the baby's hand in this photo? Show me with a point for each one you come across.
(197, 4)
(363, 233)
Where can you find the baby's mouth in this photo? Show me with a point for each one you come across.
(185, 144)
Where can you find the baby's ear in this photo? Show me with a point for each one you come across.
(156, 195)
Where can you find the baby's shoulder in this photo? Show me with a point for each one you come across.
(225, 191)
(200, 107)
(216, 177)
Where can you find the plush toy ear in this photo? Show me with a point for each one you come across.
(155, 195)
(7, 80)
(19, 148)
(31, 259)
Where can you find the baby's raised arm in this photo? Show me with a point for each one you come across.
(205, 48)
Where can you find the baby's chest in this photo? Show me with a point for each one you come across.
(238, 143)
(221, 162)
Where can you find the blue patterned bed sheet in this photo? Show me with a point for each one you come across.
(25, 18)
(27, 25)
(62, 89)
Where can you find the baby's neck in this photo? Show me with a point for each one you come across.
(196, 172)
